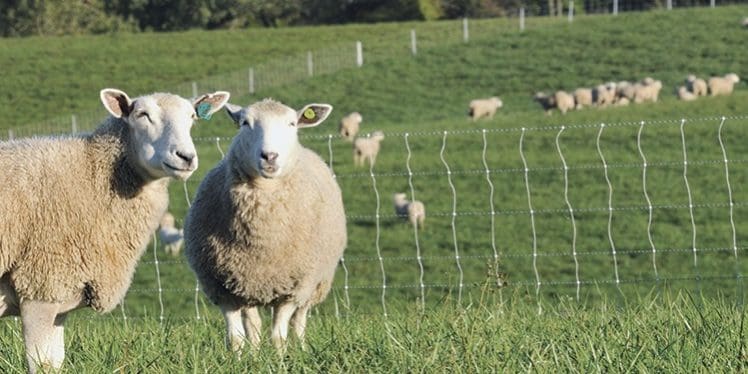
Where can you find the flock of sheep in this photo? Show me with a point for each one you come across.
(366, 149)
(612, 94)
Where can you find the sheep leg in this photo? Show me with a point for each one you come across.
(234, 328)
(58, 341)
(281, 317)
(252, 325)
(298, 321)
(42, 335)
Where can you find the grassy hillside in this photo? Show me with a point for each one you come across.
(427, 94)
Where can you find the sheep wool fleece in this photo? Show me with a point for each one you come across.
(254, 241)
(75, 216)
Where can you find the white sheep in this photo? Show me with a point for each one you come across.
(723, 85)
(744, 22)
(564, 101)
(267, 226)
(367, 149)
(560, 100)
(583, 97)
(622, 101)
(686, 95)
(349, 126)
(413, 210)
(625, 90)
(484, 107)
(170, 235)
(76, 213)
(696, 85)
(604, 94)
(647, 92)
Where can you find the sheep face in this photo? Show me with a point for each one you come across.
(160, 126)
(268, 135)
(399, 198)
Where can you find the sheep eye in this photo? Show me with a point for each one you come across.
(145, 114)
(292, 124)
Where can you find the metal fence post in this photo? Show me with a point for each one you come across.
(521, 19)
(194, 89)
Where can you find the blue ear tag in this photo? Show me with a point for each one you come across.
(203, 110)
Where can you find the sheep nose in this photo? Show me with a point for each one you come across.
(269, 156)
(188, 157)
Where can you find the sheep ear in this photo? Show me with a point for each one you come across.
(235, 112)
(313, 114)
(206, 105)
(116, 102)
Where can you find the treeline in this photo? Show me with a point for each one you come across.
(66, 17)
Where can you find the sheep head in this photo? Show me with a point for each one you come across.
(268, 145)
(159, 126)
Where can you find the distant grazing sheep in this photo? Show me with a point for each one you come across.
(267, 226)
(170, 235)
(604, 94)
(647, 92)
(564, 101)
(349, 126)
(413, 210)
(626, 90)
(484, 107)
(77, 212)
(696, 85)
(723, 85)
(622, 101)
(560, 100)
(583, 97)
(744, 22)
(367, 149)
(686, 95)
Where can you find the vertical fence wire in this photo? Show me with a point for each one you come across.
(738, 275)
(690, 205)
(571, 212)
(491, 204)
(342, 258)
(610, 207)
(415, 228)
(454, 217)
(650, 208)
(197, 282)
(378, 234)
(532, 221)
(220, 150)
(158, 280)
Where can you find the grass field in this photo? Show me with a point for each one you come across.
(625, 316)
(671, 334)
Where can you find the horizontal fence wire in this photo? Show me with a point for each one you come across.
(493, 226)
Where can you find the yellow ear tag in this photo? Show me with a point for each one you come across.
(309, 113)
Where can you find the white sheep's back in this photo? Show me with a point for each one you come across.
(54, 187)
